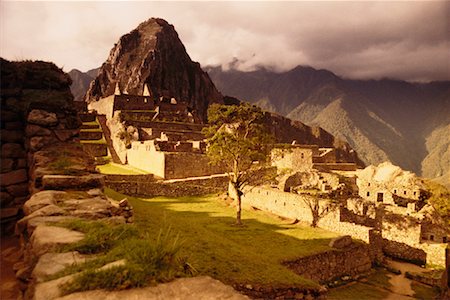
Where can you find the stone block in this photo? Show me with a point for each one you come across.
(46, 211)
(21, 163)
(52, 263)
(18, 190)
(38, 142)
(12, 150)
(5, 199)
(91, 208)
(65, 135)
(51, 289)
(36, 130)
(14, 125)
(13, 177)
(9, 116)
(44, 220)
(63, 182)
(41, 199)
(48, 238)
(91, 135)
(200, 287)
(42, 117)
(341, 242)
(7, 164)
(11, 136)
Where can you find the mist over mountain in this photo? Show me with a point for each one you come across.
(406, 123)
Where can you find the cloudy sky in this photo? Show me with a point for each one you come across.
(407, 40)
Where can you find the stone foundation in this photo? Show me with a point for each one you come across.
(333, 264)
(194, 187)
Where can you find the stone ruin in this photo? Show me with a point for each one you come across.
(46, 175)
(159, 135)
(399, 223)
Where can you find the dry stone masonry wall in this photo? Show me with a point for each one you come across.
(42, 158)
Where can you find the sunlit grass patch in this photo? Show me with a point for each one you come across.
(249, 254)
(113, 168)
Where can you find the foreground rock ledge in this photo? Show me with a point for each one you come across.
(196, 288)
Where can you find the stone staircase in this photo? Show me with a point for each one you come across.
(107, 135)
(91, 135)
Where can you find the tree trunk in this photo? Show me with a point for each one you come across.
(237, 194)
(238, 208)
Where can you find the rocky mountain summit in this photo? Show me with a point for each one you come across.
(383, 120)
(153, 54)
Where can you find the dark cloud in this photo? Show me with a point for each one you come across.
(405, 40)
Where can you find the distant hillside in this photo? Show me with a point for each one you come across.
(406, 123)
(81, 82)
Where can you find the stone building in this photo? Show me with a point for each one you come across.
(307, 157)
(171, 160)
(390, 184)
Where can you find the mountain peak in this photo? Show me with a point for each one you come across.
(153, 54)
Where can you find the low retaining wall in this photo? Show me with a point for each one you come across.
(96, 150)
(333, 264)
(195, 187)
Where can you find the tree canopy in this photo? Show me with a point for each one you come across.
(239, 139)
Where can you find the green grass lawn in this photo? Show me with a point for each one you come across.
(214, 247)
(113, 168)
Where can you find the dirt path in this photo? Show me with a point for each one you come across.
(9, 286)
(401, 286)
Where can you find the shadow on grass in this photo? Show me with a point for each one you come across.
(235, 255)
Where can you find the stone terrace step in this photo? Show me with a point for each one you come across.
(68, 182)
(90, 126)
(90, 135)
(87, 117)
(96, 150)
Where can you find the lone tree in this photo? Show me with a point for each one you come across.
(239, 140)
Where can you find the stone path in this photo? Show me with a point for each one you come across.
(401, 286)
(9, 285)
(197, 288)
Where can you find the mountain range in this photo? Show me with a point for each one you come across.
(402, 122)
(405, 123)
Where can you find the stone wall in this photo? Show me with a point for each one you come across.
(185, 164)
(48, 163)
(144, 156)
(36, 111)
(133, 102)
(103, 106)
(294, 158)
(333, 264)
(194, 187)
(294, 206)
(160, 159)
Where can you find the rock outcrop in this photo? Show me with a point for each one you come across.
(153, 54)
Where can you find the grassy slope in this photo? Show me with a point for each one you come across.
(233, 255)
(112, 168)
